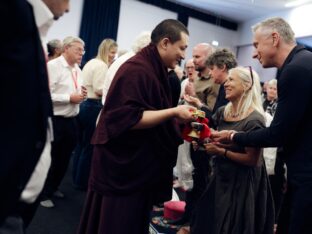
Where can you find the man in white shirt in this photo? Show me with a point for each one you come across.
(25, 156)
(45, 12)
(67, 93)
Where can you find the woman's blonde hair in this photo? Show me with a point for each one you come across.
(251, 97)
(104, 48)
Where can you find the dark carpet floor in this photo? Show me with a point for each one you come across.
(64, 217)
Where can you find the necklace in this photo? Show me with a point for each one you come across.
(234, 115)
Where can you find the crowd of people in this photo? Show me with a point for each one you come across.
(120, 121)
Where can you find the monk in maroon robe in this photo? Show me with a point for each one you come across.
(136, 140)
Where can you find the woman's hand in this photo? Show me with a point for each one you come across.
(192, 100)
(212, 148)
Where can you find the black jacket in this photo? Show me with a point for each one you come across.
(291, 127)
(25, 100)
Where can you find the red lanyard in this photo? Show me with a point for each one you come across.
(75, 78)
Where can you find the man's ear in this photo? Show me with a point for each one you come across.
(276, 38)
(164, 43)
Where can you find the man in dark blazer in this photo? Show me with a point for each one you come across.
(25, 102)
(291, 128)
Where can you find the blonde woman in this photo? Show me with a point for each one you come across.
(94, 73)
(238, 199)
(107, 51)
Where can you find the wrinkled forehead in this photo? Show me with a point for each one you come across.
(77, 44)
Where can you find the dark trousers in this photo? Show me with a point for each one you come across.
(13, 224)
(296, 211)
(202, 169)
(86, 120)
(65, 139)
(278, 183)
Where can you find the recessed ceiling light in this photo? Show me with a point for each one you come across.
(215, 43)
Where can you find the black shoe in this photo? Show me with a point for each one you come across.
(180, 221)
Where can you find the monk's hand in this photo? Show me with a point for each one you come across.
(185, 113)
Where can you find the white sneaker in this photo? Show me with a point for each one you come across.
(47, 203)
(58, 194)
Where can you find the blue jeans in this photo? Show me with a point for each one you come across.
(89, 111)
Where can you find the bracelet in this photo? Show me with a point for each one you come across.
(231, 136)
(224, 155)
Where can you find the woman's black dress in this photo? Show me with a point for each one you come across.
(238, 199)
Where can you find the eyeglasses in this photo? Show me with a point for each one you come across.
(78, 50)
(251, 75)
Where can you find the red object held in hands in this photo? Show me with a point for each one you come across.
(198, 130)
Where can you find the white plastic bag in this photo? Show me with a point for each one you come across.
(269, 154)
(184, 167)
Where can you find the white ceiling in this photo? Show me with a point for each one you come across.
(237, 10)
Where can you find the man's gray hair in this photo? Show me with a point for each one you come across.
(142, 40)
(69, 40)
(55, 43)
(279, 25)
(222, 57)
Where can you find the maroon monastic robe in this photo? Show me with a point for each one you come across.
(127, 162)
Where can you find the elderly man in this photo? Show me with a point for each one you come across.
(67, 93)
(275, 46)
(136, 139)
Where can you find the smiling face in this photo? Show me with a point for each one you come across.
(233, 86)
(173, 53)
(264, 47)
(112, 54)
